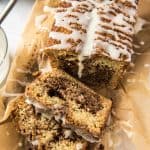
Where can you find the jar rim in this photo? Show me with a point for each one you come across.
(6, 47)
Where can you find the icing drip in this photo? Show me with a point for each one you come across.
(94, 27)
(48, 9)
(88, 45)
(35, 142)
(80, 65)
(35, 104)
(79, 146)
(39, 20)
(67, 133)
(46, 68)
(45, 65)
(139, 24)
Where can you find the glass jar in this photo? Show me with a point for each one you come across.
(4, 57)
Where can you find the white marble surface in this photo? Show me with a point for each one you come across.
(15, 22)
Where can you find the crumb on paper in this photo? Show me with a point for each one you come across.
(146, 65)
(20, 144)
(142, 42)
(132, 65)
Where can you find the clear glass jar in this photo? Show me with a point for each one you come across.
(4, 57)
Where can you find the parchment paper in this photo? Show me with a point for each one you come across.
(128, 126)
(131, 109)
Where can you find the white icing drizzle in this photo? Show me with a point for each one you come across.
(114, 47)
(58, 117)
(106, 27)
(35, 104)
(38, 23)
(67, 133)
(39, 20)
(95, 2)
(61, 20)
(88, 45)
(47, 9)
(46, 68)
(35, 142)
(80, 65)
(139, 24)
(63, 119)
(79, 146)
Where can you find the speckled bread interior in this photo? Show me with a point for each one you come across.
(99, 71)
(80, 107)
(41, 131)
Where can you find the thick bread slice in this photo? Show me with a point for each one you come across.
(78, 106)
(41, 131)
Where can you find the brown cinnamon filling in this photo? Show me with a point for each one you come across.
(68, 90)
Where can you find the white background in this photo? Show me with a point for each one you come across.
(15, 22)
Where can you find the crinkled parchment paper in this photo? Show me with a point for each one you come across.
(131, 110)
(128, 125)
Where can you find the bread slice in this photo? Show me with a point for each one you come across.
(41, 131)
(92, 40)
(33, 125)
(77, 106)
